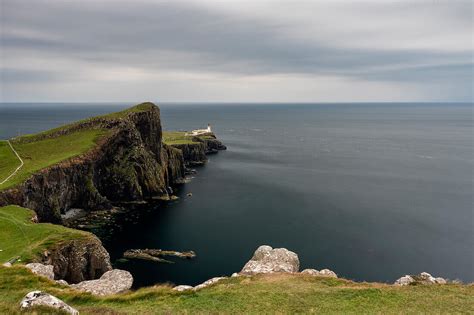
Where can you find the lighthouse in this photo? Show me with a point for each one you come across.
(209, 128)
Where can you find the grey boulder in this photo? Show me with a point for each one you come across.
(269, 260)
(39, 298)
(111, 282)
(42, 270)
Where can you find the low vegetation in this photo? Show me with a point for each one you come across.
(9, 161)
(177, 137)
(279, 293)
(42, 153)
(19, 237)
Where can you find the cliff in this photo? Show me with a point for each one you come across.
(129, 162)
(75, 255)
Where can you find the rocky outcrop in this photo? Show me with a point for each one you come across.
(269, 260)
(195, 153)
(42, 270)
(130, 163)
(78, 260)
(38, 298)
(111, 282)
(422, 278)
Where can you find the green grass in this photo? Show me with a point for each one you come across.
(8, 161)
(40, 154)
(280, 293)
(177, 137)
(20, 237)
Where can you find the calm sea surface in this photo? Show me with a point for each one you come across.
(371, 191)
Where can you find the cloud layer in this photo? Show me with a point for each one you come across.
(285, 51)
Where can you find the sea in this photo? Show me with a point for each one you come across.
(372, 191)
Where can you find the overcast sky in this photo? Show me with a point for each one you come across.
(260, 51)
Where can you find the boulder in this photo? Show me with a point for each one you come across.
(422, 278)
(327, 273)
(312, 272)
(181, 288)
(405, 280)
(111, 282)
(269, 260)
(208, 283)
(42, 270)
(38, 298)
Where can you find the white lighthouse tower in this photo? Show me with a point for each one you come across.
(209, 128)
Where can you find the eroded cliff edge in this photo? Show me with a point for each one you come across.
(129, 163)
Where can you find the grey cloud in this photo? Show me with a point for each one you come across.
(181, 36)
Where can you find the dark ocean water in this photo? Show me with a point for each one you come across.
(371, 191)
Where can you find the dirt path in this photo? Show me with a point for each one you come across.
(18, 168)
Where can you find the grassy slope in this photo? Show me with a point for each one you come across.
(176, 137)
(20, 237)
(260, 294)
(43, 153)
(8, 160)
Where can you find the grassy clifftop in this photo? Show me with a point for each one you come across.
(19, 237)
(277, 293)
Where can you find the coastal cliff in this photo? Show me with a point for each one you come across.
(129, 163)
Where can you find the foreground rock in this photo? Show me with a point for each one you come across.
(203, 285)
(323, 273)
(269, 260)
(111, 282)
(422, 278)
(38, 298)
(42, 270)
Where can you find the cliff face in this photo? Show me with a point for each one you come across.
(79, 260)
(130, 164)
(195, 153)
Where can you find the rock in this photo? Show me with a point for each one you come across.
(440, 280)
(405, 280)
(38, 298)
(422, 278)
(7, 264)
(63, 282)
(181, 288)
(235, 274)
(269, 260)
(327, 273)
(111, 282)
(312, 272)
(79, 260)
(42, 270)
(208, 283)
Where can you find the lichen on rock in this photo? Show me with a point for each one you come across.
(269, 260)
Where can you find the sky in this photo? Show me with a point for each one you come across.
(236, 51)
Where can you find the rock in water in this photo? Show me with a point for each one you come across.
(269, 260)
(111, 282)
(42, 270)
(38, 298)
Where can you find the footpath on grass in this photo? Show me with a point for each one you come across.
(18, 168)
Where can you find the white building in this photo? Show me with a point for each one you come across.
(200, 132)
